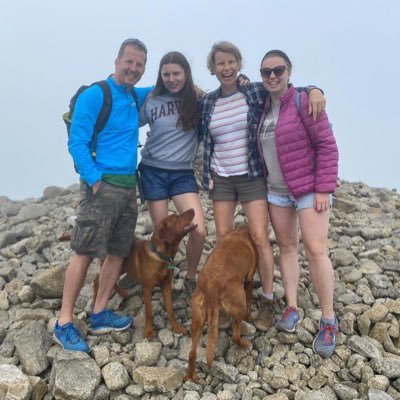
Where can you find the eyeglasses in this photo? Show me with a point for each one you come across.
(134, 42)
(278, 71)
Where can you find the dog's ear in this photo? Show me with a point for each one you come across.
(167, 230)
(164, 228)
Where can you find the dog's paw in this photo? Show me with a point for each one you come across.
(149, 335)
(191, 377)
(243, 342)
(180, 329)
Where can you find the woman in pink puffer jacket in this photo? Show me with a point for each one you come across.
(301, 167)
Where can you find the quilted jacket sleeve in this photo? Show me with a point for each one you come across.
(326, 155)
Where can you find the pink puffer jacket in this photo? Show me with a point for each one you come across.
(307, 150)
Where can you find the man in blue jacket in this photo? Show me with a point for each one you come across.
(107, 215)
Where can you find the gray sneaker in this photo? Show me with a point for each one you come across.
(289, 320)
(324, 343)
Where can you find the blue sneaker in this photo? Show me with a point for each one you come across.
(68, 337)
(324, 342)
(289, 320)
(107, 321)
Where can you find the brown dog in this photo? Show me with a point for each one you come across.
(150, 264)
(226, 281)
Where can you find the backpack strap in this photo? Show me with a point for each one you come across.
(136, 98)
(104, 114)
(298, 102)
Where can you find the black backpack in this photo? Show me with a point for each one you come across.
(103, 115)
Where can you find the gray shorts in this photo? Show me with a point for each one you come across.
(238, 188)
(106, 221)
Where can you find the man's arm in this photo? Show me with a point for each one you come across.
(85, 116)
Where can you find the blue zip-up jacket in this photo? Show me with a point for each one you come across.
(117, 143)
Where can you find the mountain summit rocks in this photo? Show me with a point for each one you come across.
(364, 246)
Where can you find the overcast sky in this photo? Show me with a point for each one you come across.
(49, 48)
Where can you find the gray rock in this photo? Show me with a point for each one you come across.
(32, 344)
(7, 238)
(156, 379)
(223, 371)
(101, 354)
(39, 387)
(342, 257)
(363, 347)
(344, 392)
(386, 366)
(375, 394)
(22, 231)
(52, 192)
(147, 353)
(74, 376)
(115, 376)
(13, 383)
(30, 211)
(49, 283)
(9, 272)
(375, 233)
(4, 303)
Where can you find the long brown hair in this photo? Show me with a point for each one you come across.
(188, 109)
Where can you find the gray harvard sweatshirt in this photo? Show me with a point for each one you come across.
(167, 146)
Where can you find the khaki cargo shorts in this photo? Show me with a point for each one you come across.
(106, 221)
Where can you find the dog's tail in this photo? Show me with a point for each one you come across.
(212, 314)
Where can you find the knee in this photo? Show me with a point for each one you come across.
(260, 238)
(221, 233)
(80, 261)
(315, 251)
(288, 247)
(198, 235)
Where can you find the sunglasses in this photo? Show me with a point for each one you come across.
(278, 71)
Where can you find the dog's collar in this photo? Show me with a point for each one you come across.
(168, 260)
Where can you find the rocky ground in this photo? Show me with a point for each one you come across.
(364, 245)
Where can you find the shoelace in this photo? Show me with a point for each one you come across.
(110, 315)
(72, 334)
(287, 313)
(328, 332)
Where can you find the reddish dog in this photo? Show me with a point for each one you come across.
(150, 260)
(226, 281)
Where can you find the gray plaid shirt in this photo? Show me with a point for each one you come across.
(255, 96)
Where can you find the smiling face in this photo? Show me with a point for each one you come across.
(276, 85)
(226, 68)
(130, 66)
(173, 77)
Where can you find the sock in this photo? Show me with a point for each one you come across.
(268, 296)
(329, 321)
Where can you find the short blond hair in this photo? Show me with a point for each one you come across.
(224, 47)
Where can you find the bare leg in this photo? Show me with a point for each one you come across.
(109, 274)
(158, 210)
(224, 213)
(284, 223)
(314, 229)
(74, 278)
(257, 215)
(196, 239)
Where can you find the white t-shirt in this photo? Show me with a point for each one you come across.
(228, 129)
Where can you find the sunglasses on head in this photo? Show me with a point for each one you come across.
(278, 71)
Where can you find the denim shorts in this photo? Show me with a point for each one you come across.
(161, 184)
(237, 188)
(106, 221)
(306, 201)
